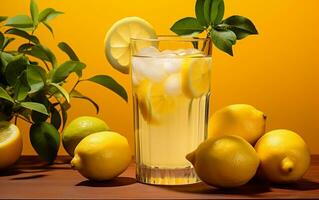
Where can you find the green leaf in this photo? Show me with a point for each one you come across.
(25, 113)
(21, 88)
(35, 106)
(64, 114)
(48, 27)
(25, 47)
(3, 18)
(55, 117)
(187, 26)
(5, 59)
(223, 40)
(23, 34)
(48, 14)
(35, 78)
(5, 95)
(111, 84)
(62, 91)
(65, 69)
(45, 140)
(220, 14)
(42, 53)
(14, 69)
(38, 117)
(1, 40)
(68, 50)
(213, 11)
(207, 8)
(34, 12)
(20, 21)
(77, 94)
(199, 10)
(241, 26)
(40, 97)
(6, 42)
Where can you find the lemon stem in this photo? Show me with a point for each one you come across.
(74, 161)
(264, 116)
(287, 165)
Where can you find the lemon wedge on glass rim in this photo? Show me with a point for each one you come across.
(195, 76)
(117, 40)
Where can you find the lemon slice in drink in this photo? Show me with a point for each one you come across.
(117, 40)
(195, 76)
(154, 103)
(10, 144)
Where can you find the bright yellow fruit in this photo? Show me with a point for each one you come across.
(195, 76)
(284, 156)
(10, 144)
(117, 40)
(229, 161)
(102, 156)
(80, 128)
(239, 119)
(154, 103)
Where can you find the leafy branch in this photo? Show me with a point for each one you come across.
(209, 18)
(32, 79)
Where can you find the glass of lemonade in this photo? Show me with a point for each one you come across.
(171, 90)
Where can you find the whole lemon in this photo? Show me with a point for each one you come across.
(239, 119)
(229, 161)
(284, 156)
(102, 156)
(80, 128)
(10, 144)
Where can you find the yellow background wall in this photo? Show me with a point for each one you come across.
(276, 71)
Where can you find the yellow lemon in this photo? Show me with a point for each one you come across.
(118, 44)
(80, 128)
(239, 119)
(229, 161)
(10, 144)
(284, 156)
(196, 76)
(102, 156)
(154, 102)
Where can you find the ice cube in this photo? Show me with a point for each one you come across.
(172, 85)
(168, 54)
(149, 68)
(172, 65)
(168, 51)
(154, 70)
(135, 80)
(179, 52)
(137, 67)
(149, 51)
(185, 52)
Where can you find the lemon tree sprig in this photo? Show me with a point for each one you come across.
(209, 18)
(32, 79)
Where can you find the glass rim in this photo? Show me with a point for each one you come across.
(173, 38)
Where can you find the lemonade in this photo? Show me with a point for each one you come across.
(171, 90)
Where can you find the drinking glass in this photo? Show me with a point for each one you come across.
(171, 92)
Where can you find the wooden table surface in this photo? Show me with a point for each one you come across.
(30, 179)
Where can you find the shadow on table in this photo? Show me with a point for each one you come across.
(302, 185)
(25, 165)
(13, 172)
(119, 181)
(30, 177)
(252, 188)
